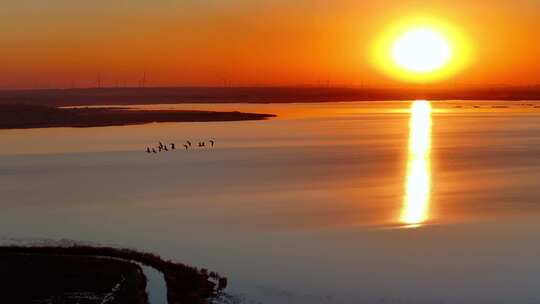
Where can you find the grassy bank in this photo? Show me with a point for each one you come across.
(34, 278)
(185, 284)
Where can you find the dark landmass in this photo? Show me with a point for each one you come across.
(20, 116)
(31, 278)
(30, 271)
(175, 95)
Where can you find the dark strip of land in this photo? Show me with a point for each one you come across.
(20, 116)
(175, 95)
(185, 284)
(33, 278)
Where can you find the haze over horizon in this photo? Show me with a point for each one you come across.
(58, 44)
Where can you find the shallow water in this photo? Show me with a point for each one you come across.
(156, 286)
(315, 206)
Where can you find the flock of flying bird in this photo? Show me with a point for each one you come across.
(172, 146)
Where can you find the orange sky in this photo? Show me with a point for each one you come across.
(60, 43)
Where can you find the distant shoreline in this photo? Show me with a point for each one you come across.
(21, 116)
(182, 95)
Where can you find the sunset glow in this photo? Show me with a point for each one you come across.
(421, 50)
(270, 151)
(67, 44)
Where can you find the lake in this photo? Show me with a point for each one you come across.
(367, 202)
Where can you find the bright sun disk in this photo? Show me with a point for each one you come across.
(421, 50)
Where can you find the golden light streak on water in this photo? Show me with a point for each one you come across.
(415, 210)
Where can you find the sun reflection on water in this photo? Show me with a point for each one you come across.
(415, 210)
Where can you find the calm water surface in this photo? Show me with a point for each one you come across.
(381, 202)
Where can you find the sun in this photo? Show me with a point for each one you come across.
(421, 50)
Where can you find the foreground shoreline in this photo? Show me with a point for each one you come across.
(185, 284)
(70, 279)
